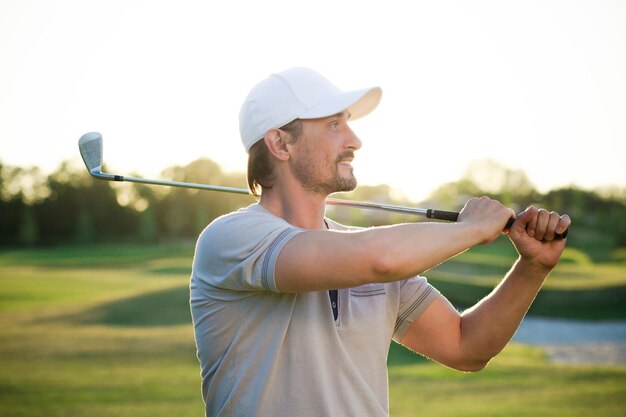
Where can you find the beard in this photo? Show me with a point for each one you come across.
(322, 177)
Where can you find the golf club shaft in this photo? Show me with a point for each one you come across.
(429, 213)
(432, 214)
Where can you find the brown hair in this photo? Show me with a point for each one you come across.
(260, 169)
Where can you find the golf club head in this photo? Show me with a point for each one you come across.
(90, 147)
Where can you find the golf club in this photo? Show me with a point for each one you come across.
(91, 149)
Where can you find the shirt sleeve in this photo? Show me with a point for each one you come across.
(416, 294)
(238, 253)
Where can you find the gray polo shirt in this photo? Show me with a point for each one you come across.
(266, 353)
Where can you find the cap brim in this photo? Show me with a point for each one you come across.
(359, 103)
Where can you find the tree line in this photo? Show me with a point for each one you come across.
(71, 207)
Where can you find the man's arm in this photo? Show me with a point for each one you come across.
(468, 341)
(322, 260)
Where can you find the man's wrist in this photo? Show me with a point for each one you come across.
(532, 267)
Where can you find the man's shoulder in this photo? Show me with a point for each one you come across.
(244, 223)
(251, 213)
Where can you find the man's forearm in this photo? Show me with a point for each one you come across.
(487, 327)
(319, 260)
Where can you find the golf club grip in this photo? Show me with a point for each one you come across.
(453, 216)
(450, 216)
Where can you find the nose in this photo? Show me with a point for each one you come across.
(352, 140)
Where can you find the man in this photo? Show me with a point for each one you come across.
(294, 313)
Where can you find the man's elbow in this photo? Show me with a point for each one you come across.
(387, 267)
(383, 268)
(474, 365)
(384, 264)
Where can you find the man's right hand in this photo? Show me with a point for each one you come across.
(487, 215)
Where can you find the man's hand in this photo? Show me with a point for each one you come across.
(533, 234)
(489, 216)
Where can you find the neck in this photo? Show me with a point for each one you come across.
(296, 205)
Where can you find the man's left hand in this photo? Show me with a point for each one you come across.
(533, 235)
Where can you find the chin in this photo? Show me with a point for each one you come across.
(347, 186)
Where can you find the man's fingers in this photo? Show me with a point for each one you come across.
(536, 223)
(529, 220)
(543, 225)
(553, 221)
(563, 225)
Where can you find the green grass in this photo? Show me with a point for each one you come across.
(106, 331)
(97, 332)
(577, 288)
(519, 382)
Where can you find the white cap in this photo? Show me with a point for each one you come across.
(298, 93)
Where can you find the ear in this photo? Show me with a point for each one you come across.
(275, 142)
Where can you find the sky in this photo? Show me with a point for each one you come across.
(536, 85)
